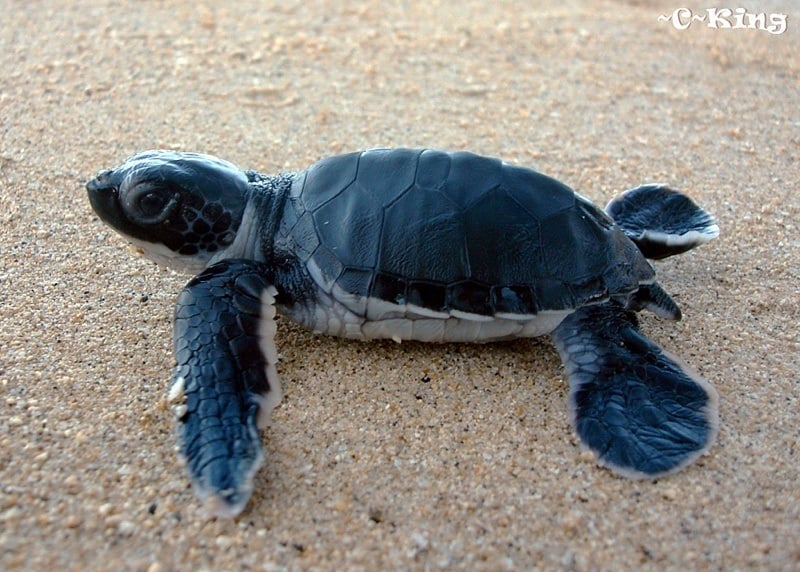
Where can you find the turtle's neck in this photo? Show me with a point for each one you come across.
(265, 204)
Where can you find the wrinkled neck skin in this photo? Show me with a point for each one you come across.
(266, 196)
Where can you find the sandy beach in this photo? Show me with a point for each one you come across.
(388, 456)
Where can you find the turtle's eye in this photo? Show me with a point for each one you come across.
(151, 204)
(147, 203)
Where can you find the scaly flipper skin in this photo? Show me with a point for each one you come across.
(643, 412)
(661, 221)
(225, 382)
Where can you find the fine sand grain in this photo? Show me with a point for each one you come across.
(386, 456)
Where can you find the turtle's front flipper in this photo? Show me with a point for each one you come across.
(643, 412)
(661, 221)
(225, 382)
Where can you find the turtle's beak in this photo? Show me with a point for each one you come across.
(103, 195)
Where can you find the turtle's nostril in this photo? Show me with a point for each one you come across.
(100, 182)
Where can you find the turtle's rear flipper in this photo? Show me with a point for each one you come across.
(661, 221)
(225, 382)
(643, 412)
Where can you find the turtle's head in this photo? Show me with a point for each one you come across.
(179, 208)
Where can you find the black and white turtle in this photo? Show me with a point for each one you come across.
(410, 245)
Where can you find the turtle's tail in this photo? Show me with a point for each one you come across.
(225, 382)
(661, 221)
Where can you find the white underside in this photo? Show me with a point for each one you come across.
(693, 237)
(266, 334)
(164, 256)
(342, 314)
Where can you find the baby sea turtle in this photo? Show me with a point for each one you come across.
(410, 245)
